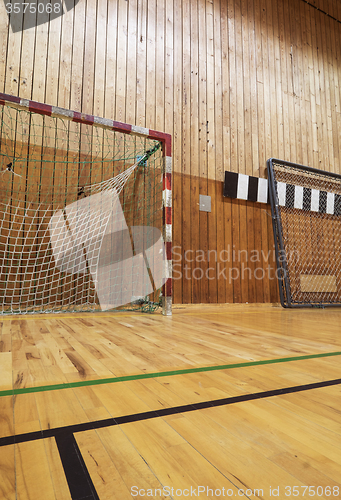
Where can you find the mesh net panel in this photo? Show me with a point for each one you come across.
(80, 216)
(308, 234)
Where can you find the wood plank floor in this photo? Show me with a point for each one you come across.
(200, 404)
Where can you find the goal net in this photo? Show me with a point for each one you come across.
(306, 213)
(84, 212)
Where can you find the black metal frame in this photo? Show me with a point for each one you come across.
(281, 262)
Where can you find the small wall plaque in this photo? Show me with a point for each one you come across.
(204, 203)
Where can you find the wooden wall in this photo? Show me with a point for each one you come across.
(234, 81)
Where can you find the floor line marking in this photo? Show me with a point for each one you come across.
(76, 473)
(147, 415)
(142, 376)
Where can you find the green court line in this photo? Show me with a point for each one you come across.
(141, 376)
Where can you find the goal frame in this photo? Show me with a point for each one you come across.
(286, 298)
(105, 123)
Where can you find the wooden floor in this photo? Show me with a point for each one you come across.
(240, 431)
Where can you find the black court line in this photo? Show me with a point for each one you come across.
(78, 478)
(137, 417)
(77, 475)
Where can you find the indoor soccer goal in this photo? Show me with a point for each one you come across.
(85, 212)
(306, 214)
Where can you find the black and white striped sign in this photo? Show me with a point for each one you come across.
(245, 187)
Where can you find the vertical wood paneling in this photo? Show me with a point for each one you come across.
(40, 61)
(121, 61)
(203, 138)
(177, 133)
(218, 146)
(78, 60)
(234, 82)
(12, 83)
(246, 125)
(195, 143)
(100, 55)
(151, 65)
(4, 27)
(213, 61)
(335, 93)
(141, 63)
(52, 62)
(111, 51)
(225, 291)
(160, 65)
(253, 90)
(65, 40)
(186, 145)
(130, 114)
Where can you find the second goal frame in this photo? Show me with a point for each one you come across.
(306, 215)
